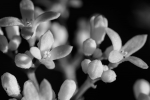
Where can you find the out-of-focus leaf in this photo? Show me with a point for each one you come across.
(134, 44)
(10, 21)
(35, 52)
(30, 92)
(137, 61)
(46, 41)
(115, 39)
(3, 44)
(60, 51)
(143, 96)
(47, 16)
(49, 64)
(46, 91)
(27, 10)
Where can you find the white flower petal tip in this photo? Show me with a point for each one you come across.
(67, 90)
(108, 76)
(23, 61)
(115, 39)
(12, 31)
(141, 86)
(115, 56)
(10, 84)
(89, 46)
(14, 43)
(35, 52)
(30, 91)
(46, 41)
(95, 69)
(46, 92)
(84, 65)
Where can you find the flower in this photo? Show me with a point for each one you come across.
(28, 23)
(45, 54)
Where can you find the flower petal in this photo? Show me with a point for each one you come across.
(27, 10)
(115, 39)
(48, 63)
(134, 44)
(3, 44)
(30, 92)
(10, 21)
(46, 41)
(14, 43)
(138, 62)
(60, 51)
(35, 52)
(46, 91)
(47, 16)
(27, 32)
(12, 31)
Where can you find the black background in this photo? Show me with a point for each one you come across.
(121, 15)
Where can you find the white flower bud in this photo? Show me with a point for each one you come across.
(84, 65)
(89, 46)
(67, 90)
(14, 43)
(97, 53)
(141, 86)
(10, 84)
(95, 69)
(12, 31)
(108, 76)
(23, 61)
(115, 56)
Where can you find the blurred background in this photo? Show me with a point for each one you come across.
(127, 17)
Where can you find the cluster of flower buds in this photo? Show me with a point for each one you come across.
(115, 54)
(141, 89)
(42, 92)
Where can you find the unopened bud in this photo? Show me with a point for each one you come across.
(10, 84)
(14, 43)
(108, 76)
(95, 69)
(141, 86)
(97, 53)
(84, 65)
(67, 90)
(89, 46)
(23, 61)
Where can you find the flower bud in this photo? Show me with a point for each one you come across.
(84, 65)
(95, 69)
(12, 31)
(97, 53)
(141, 86)
(115, 56)
(10, 84)
(67, 90)
(108, 76)
(23, 61)
(14, 43)
(89, 46)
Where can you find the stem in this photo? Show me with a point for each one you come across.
(86, 85)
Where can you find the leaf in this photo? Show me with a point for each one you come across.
(30, 92)
(115, 39)
(46, 41)
(48, 63)
(134, 44)
(27, 10)
(143, 96)
(10, 21)
(60, 51)
(35, 52)
(47, 16)
(46, 91)
(138, 62)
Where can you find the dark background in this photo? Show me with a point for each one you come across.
(123, 17)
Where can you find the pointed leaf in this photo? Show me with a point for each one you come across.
(47, 16)
(35, 52)
(46, 91)
(134, 44)
(30, 92)
(138, 62)
(115, 39)
(46, 41)
(48, 63)
(60, 51)
(10, 21)
(27, 10)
